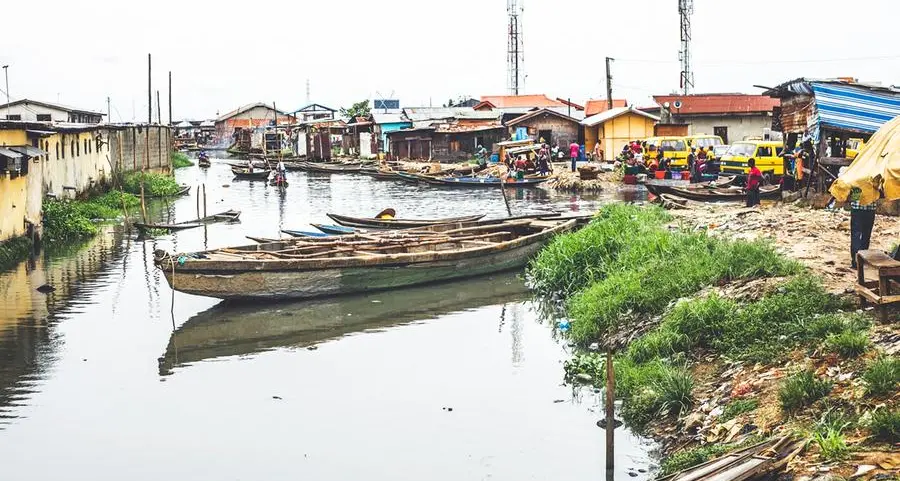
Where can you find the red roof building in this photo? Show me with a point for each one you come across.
(517, 101)
(731, 116)
(594, 107)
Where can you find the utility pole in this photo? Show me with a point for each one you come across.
(609, 99)
(149, 90)
(108, 112)
(158, 109)
(170, 97)
(6, 74)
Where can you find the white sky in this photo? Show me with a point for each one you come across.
(224, 54)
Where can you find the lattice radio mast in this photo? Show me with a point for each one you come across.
(515, 59)
(685, 10)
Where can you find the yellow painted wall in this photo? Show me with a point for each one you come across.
(12, 191)
(616, 133)
(69, 164)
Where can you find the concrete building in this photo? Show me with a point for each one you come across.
(732, 117)
(37, 111)
(250, 116)
(616, 127)
(66, 160)
(550, 125)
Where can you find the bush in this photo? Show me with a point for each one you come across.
(885, 425)
(802, 389)
(651, 389)
(737, 407)
(849, 344)
(882, 377)
(572, 262)
(155, 185)
(832, 445)
(180, 160)
(65, 220)
(674, 388)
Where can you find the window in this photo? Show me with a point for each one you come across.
(57, 151)
(85, 146)
(14, 117)
(764, 152)
(77, 148)
(72, 148)
(44, 118)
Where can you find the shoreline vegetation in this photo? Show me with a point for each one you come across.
(721, 343)
(181, 160)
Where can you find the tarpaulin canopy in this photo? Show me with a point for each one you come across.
(877, 167)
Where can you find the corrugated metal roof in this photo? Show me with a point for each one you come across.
(416, 114)
(705, 104)
(9, 153)
(380, 118)
(539, 112)
(594, 107)
(855, 107)
(613, 113)
(29, 151)
(504, 101)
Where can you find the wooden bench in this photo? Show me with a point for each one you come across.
(881, 292)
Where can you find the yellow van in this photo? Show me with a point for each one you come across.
(704, 140)
(675, 149)
(854, 146)
(651, 144)
(767, 154)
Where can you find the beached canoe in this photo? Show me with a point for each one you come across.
(319, 267)
(376, 223)
(304, 233)
(725, 194)
(227, 216)
(240, 173)
(659, 186)
(230, 329)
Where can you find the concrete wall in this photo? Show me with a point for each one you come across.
(75, 163)
(134, 146)
(739, 126)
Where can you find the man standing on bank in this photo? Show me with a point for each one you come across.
(754, 178)
(862, 219)
(574, 150)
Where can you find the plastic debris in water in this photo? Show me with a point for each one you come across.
(563, 325)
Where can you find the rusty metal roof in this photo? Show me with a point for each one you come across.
(594, 107)
(504, 101)
(718, 104)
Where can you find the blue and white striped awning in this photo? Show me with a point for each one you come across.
(855, 108)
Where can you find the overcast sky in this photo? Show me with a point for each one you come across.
(224, 54)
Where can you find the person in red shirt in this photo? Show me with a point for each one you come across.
(754, 178)
(574, 150)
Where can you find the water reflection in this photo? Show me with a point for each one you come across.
(236, 329)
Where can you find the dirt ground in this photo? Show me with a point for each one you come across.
(819, 238)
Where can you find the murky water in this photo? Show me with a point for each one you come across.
(451, 382)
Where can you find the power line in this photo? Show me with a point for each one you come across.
(761, 62)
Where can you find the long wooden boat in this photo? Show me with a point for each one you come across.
(376, 223)
(318, 267)
(227, 216)
(659, 187)
(380, 174)
(246, 174)
(234, 329)
(732, 193)
(203, 163)
(489, 182)
(330, 168)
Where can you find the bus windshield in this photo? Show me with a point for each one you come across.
(707, 142)
(672, 145)
(742, 150)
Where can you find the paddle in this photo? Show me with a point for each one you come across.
(503, 191)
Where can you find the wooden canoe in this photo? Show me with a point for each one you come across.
(319, 267)
(659, 187)
(235, 329)
(333, 168)
(729, 194)
(374, 223)
(304, 233)
(239, 173)
(489, 182)
(204, 163)
(227, 216)
(335, 229)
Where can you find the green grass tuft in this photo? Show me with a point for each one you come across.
(885, 425)
(832, 445)
(737, 407)
(849, 344)
(802, 389)
(882, 376)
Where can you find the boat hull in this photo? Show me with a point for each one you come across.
(397, 223)
(308, 284)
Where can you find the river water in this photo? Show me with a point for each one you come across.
(460, 381)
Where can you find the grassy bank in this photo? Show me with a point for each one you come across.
(180, 160)
(13, 251)
(717, 333)
(155, 185)
(66, 220)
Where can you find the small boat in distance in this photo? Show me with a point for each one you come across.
(304, 233)
(227, 216)
(319, 267)
(391, 223)
(335, 229)
(240, 173)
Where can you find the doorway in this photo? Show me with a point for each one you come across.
(721, 132)
(547, 135)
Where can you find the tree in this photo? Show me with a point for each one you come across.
(359, 109)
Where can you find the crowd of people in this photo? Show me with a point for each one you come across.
(637, 162)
